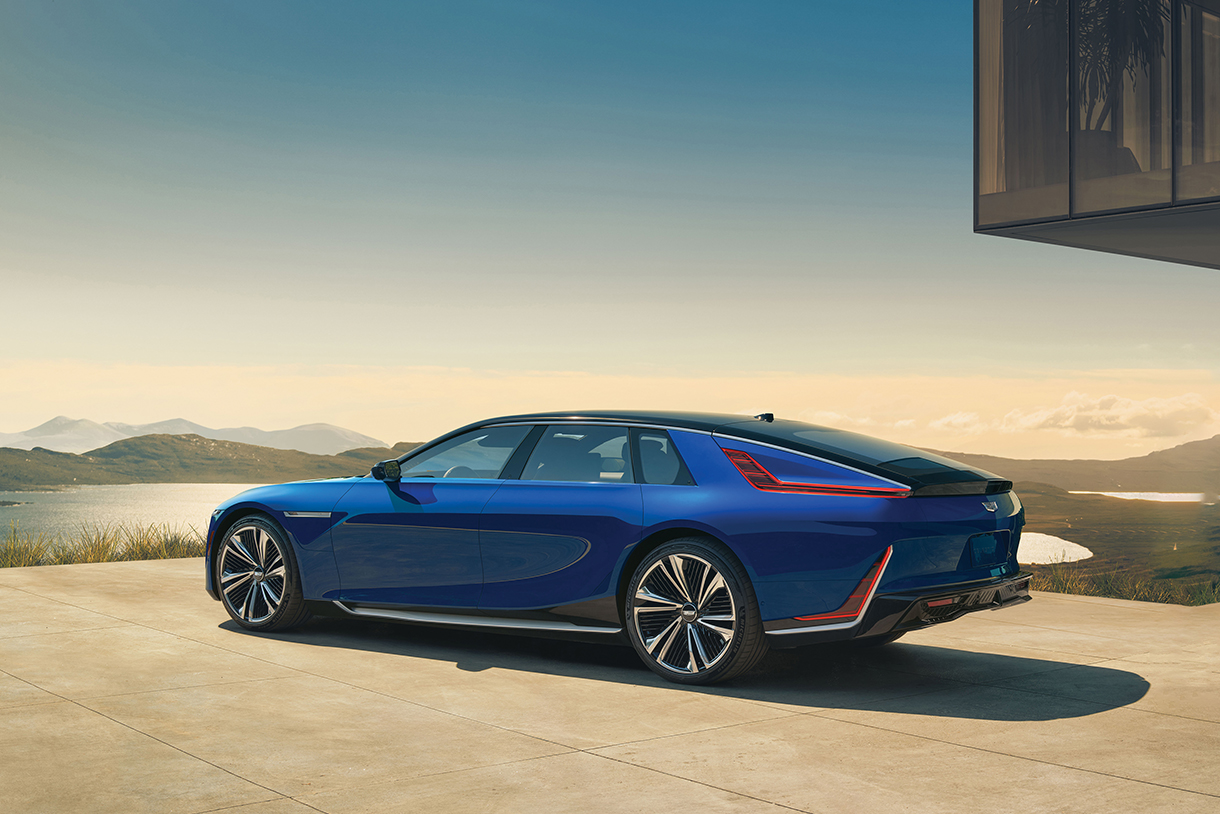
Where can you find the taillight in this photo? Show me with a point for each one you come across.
(855, 603)
(760, 478)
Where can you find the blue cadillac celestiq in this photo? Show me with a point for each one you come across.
(704, 539)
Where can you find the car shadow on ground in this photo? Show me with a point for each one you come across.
(902, 677)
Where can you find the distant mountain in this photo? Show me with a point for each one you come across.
(181, 459)
(64, 434)
(1191, 467)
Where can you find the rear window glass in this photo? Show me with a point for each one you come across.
(852, 446)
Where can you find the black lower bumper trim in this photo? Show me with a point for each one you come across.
(898, 613)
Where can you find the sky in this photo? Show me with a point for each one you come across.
(402, 217)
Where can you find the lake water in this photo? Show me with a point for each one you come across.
(1159, 497)
(63, 513)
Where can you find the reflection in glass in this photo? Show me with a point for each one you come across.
(1022, 110)
(1199, 174)
(1122, 150)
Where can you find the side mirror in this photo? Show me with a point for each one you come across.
(387, 470)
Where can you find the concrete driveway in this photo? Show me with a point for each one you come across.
(123, 688)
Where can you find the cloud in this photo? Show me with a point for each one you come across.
(1081, 414)
(828, 418)
(960, 422)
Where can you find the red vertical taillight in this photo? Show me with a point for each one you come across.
(855, 603)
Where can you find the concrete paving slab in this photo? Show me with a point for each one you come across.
(26, 614)
(576, 783)
(307, 734)
(1061, 704)
(58, 758)
(279, 805)
(812, 763)
(17, 693)
(1152, 748)
(108, 661)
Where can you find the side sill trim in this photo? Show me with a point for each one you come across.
(473, 621)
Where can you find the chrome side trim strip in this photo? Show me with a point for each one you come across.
(842, 625)
(472, 621)
(738, 438)
(306, 514)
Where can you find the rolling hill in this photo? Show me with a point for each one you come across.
(1191, 467)
(63, 434)
(180, 459)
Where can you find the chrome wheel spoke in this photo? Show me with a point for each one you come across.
(235, 547)
(709, 590)
(247, 607)
(278, 572)
(260, 541)
(726, 635)
(645, 595)
(269, 596)
(692, 636)
(662, 640)
(232, 579)
(679, 576)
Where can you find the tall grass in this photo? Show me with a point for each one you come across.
(1065, 578)
(99, 543)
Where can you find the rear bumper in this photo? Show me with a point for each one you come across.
(898, 613)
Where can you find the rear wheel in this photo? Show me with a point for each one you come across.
(258, 579)
(692, 615)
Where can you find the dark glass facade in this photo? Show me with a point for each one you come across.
(1098, 111)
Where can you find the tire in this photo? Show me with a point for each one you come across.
(692, 615)
(257, 577)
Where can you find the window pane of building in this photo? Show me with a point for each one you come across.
(1122, 156)
(1022, 110)
(1199, 174)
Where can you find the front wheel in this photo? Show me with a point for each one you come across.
(256, 572)
(692, 615)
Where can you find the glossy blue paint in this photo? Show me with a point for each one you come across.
(414, 542)
(310, 537)
(512, 545)
(547, 543)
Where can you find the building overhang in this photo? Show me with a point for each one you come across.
(1180, 234)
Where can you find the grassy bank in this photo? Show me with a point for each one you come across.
(99, 544)
(1069, 578)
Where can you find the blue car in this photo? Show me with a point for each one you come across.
(702, 539)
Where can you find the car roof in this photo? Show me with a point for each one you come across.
(707, 422)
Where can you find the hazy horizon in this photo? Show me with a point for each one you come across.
(398, 218)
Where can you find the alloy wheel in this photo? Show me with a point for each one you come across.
(252, 573)
(684, 614)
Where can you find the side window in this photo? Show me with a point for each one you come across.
(475, 454)
(659, 461)
(580, 453)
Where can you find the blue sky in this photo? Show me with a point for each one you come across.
(695, 205)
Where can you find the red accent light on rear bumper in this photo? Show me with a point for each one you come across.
(855, 603)
(760, 478)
